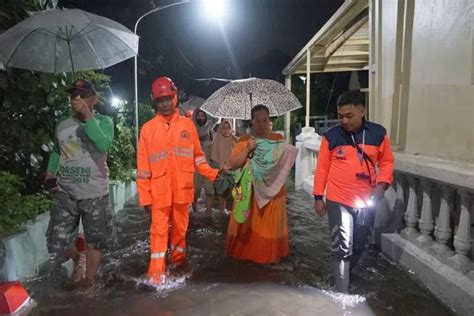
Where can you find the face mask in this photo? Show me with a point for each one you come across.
(200, 122)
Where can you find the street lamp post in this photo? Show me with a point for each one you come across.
(213, 7)
(136, 60)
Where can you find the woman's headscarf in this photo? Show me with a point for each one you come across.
(222, 146)
(204, 131)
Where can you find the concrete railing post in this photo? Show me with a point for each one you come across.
(443, 226)
(462, 239)
(399, 189)
(426, 219)
(411, 215)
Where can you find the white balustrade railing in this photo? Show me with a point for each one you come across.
(437, 197)
(443, 231)
(453, 246)
(308, 143)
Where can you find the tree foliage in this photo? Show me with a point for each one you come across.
(17, 208)
(121, 159)
(13, 11)
(32, 104)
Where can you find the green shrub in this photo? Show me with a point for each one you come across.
(122, 154)
(121, 158)
(31, 107)
(18, 208)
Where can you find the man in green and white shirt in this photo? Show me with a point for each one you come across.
(79, 163)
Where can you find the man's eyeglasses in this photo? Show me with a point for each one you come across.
(83, 94)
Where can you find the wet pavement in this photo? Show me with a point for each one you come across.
(218, 285)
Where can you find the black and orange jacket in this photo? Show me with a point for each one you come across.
(347, 171)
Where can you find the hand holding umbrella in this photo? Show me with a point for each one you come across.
(251, 145)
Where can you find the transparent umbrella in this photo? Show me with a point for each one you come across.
(192, 104)
(65, 40)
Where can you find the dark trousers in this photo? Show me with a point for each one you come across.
(349, 228)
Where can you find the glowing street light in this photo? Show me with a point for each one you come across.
(116, 102)
(214, 8)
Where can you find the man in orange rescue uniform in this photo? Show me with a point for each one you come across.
(169, 153)
(354, 168)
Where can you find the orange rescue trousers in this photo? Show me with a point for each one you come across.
(177, 216)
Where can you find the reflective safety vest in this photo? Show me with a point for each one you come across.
(169, 152)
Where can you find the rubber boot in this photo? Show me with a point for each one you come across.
(341, 270)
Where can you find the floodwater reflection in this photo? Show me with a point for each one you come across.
(218, 285)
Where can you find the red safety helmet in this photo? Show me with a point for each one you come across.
(164, 87)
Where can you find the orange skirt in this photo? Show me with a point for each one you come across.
(263, 238)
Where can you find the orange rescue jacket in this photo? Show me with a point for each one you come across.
(169, 153)
(347, 175)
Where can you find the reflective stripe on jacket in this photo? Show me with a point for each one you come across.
(169, 153)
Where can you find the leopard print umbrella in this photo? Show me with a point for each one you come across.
(237, 98)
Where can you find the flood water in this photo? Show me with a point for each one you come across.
(218, 285)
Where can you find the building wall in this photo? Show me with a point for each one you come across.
(387, 63)
(427, 76)
(441, 100)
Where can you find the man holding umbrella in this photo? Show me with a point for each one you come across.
(78, 176)
(169, 152)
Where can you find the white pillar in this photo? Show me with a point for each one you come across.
(443, 225)
(462, 239)
(411, 215)
(426, 219)
(300, 164)
(288, 115)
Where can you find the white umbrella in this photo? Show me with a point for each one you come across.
(65, 40)
(191, 104)
(237, 98)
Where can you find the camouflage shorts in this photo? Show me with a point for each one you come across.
(98, 220)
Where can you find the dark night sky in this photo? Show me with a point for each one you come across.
(251, 29)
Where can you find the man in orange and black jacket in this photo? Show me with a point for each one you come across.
(354, 168)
